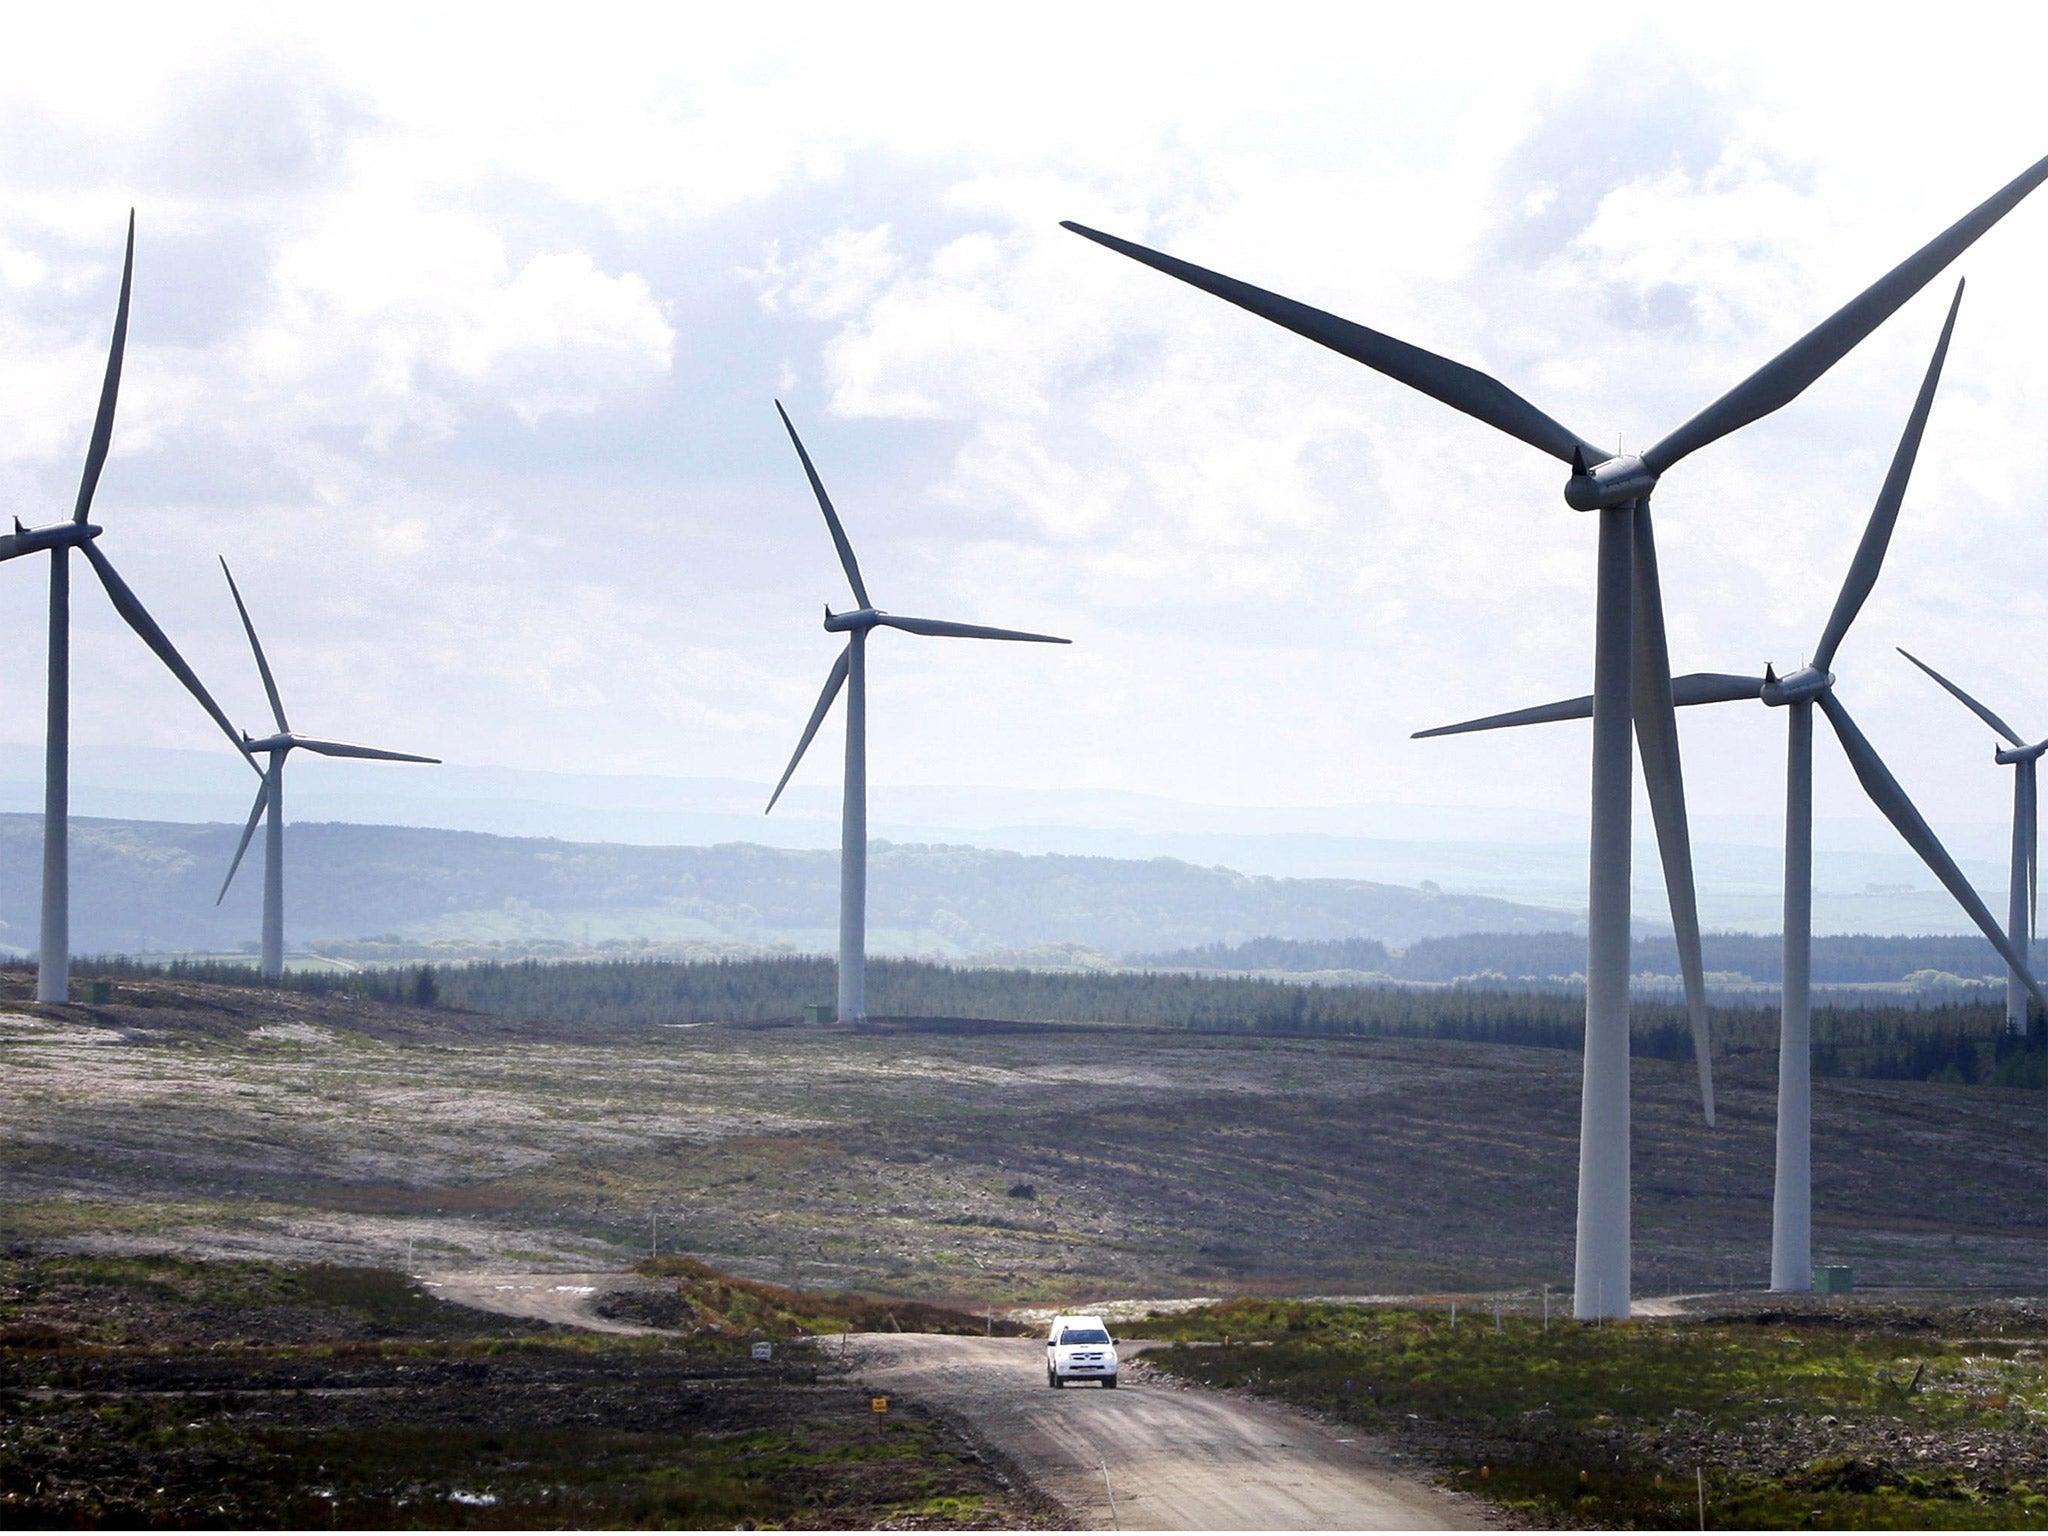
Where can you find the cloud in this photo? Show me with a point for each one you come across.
(461, 338)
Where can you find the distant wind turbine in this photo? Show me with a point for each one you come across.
(1797, 693)
(2023, 892)
(850, 671)
(1631, 669)
(270, 794)
(53, 970)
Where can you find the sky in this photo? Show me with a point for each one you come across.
(460, 339)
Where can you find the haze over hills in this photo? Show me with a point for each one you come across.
(150, 887)
(1867, 881)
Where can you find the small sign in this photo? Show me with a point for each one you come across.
(764, 1351)
(879, 1404)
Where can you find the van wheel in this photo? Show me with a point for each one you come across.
(1109, 1381)
(1052, 1379)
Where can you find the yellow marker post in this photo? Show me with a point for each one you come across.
(878, 1404)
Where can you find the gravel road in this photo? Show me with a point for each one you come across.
(1156, 1454)
(566, 1300)
(1173, 1457)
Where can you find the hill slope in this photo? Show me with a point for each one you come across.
(142, 885)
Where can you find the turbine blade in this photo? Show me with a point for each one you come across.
(346, 749)
(1884, 516)
(1464, 389)
(1979, 710)
(1692, 688)
(1580, 708)
(262, 665)
(963, 631)
(249, 831)
(839, 540)
(131, 609)
(1656, 722)
(1714, 688)
(110, 389)
(1781, 380)
(1885, 793)
(833, 682)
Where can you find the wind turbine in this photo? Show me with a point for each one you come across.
(270, 794)
(53, 972)
(1631, 668)
(2021, 897)
(850, 671)
(1797, 693)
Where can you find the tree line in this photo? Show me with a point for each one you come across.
(1958, 1042)
(1845, 958)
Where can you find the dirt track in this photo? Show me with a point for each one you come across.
(567, 1300)
(1176, 1457)
(1172, 1457)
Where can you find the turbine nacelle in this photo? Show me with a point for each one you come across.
(1615, 482)
(27, 541)
(1801, 687)
(858, 618)
(2011, 755)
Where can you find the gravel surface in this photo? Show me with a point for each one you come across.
(1171, 1457)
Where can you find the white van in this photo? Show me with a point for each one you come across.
(1078, 1348)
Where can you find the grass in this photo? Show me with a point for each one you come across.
(706, 1300)
(1856, 1417)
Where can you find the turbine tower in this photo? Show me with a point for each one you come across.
(53, 971)
(850, 671)
(2022, 893)
(1631, 670)
(270, 795)
(1797, 693)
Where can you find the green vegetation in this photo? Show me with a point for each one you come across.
(1841, 958)
(705, 1299)
(163, 1391)
(1847, 1417)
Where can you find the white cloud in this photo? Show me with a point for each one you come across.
(438, 321)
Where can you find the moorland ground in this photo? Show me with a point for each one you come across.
(1918, 1412)
(156, 1391)
(288, 1137)
(985, 1164)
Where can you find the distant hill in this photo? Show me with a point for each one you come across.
(150, 886)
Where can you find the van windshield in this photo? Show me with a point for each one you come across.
(1083, 1336)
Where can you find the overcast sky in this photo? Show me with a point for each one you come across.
(461, 343)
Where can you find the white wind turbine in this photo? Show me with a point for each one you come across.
(270, 794)
(850, 670)
(1631, 669)
(2021, 894)
(53, 972)
(1797, 693)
